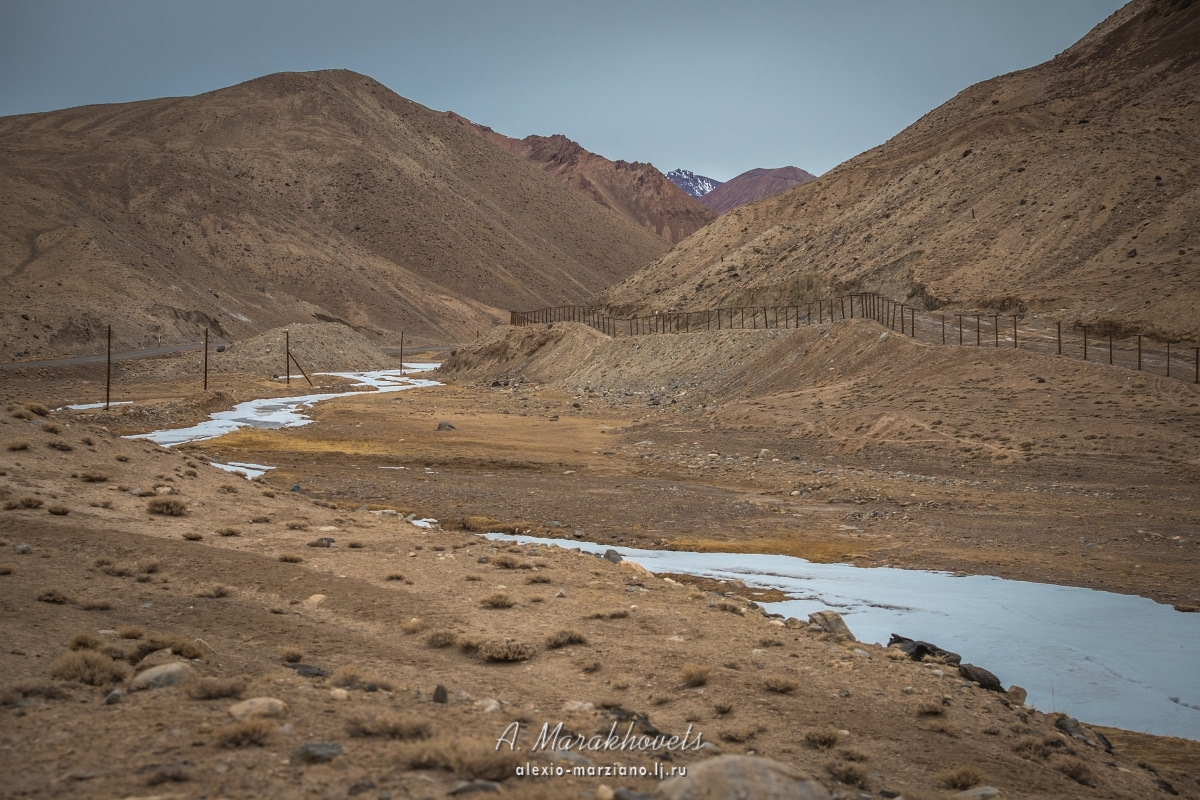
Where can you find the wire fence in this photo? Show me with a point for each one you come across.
(963, 329)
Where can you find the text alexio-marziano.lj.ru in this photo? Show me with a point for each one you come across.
(555, 739)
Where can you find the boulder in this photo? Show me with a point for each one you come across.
(831, 622)
(742, 777)
(981, 676)
(258, 707)
(162, 676)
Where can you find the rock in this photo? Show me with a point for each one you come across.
(317, 753)
(295, 488)
(1017, 695)
(23, 550)
(744, 777)
(1070, 727)
(324, 541)
(883, 337)
(612, 555)
(981, 676)
(338, 693)
(161, 676)
(488, 705)
(308, 670)
(577, 705)
(158, 657)
(445, 426)
(917, 650)
(113, 697)
(440, 695)
(258, 707)
(791, 623)
(572, 756)
(220, 348)
(979, 793)
(314, 600)
(561, 593)
(831, 622)
(635, 569)
(1183, 607)
(466, 787)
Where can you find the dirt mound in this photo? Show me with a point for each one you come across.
(541, 353)
(317, 347)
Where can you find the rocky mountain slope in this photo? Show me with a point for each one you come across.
(754, 185)
(1071, 188)
(296, 197)
(695, 185)
(638, 191)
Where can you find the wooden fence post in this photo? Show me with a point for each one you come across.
(978, 333)
(287, 355)
(960, 338)
(943, 328)
(1085, 342)
(1168, 358)
(108, 371)
(1139, 352)
(1110, 348)
(206, 359)
(912, 322)
(1014, 316)
(1060, 338)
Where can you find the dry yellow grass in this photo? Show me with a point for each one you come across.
(476, 759)
(216, 688)
(240, 734)
(960, 778)
(387, 724)
(88, 666)
(694, 674)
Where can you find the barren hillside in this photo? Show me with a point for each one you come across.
(639, 191)
(292, 198)
(754, 185)
(1071, 188)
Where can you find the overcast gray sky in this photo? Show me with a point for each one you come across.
(715, 87)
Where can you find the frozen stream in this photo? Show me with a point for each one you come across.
(287, 412)
(1105, 658)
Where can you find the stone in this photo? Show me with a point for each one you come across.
(981, 676)
(635, 569)
(572, 756)
(445, 426)
(295, 488)
(831, 622)
(612, 555)
(1017, 695)
(883, 337)
(467, 787)
(577, 705)
(561, 593)
(440, 694)
(113, 697)
(1070, 726)
(258, 707)
(23, 550)
(746, 777)
(338, 693)
(979, 793)
(324, 541)
(220, 348)
(162, 676)
(308, 670)
(317, 753)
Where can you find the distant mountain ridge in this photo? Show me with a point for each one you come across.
(637, 190)
(754, 185)
(695, 185)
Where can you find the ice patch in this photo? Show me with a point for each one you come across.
(251, 471)
(1108, 659)
(89, 406)
(424, 523)
(281, 412)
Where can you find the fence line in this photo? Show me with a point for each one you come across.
(967, 329)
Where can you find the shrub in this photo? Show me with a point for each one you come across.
(39, 409)
(216, 688)
(58, 510)
(497, 600)
(15, 446)
(441, 639)
(822, 738)
(192, 536)
(54, 596)
(59, 444)
(297, 525)
(387, 724)
(354, 544)
(498, 650)
(214, 590)
(291, 655)
(93, 477)
(960, 778)
(930, 709)
(849, 774)
(617, 613)
(95, 605)
(149, 566)
(88, 666)
(537, 579)
(259, 520)
(475, 759)
(131, 632)
(289, 558)
(394, 576)
(240, 734)
(353, 678)
(169, 774)
(101, 504)
(228, 532)
(505, 561)
(51, 427)
(695, 674)
(780, 684)
(411, 626)
(167, 506)
(564, 637)
(22, 502)
(85, 641)
(742, 734)
(1077, 770)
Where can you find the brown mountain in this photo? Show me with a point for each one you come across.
(755, 185)
(637, 190)
(1072, 187)
(292, 198)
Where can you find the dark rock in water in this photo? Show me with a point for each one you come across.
(917, 650)
(440, 695)
(748, 777)
(317, 753)
(445, 426)
(612, 555)
(981, 676)
(308, 670)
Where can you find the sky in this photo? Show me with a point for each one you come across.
(714, 87)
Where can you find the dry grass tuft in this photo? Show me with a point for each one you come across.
(95, 605)
(1077, 770)
(822, 738)
(354, 544)
(849, 774)
(290, 558)
(1038, 746)
(394, 576)
(22, 502)
(532, 579)
(441, 639)
(168, 774)
(166, 506)
(216, 688)
(101, 504)
(54, 596)
(85, 641)
(93, 477)
(695, 674)
(296, 525)
(497, 600)
(88, 666)
(39, 409)
(780, 684)
(500, 650)
(618, 613)
(722, 707)
(411, 626)
(469, 644)
(850, 754)
(475, 759)
(505, 561)
(228, 532)
(741, 734)
(387, 724)
(353, 678)
(960, 778)
(564, 637)
(291, 655)
(213, 590)
(58, 510)
(13, 695)
(15, 446)
(240, 734)
(930, 709)
(51, 427)
(131, 632)
(59, 444)
(149, 567)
